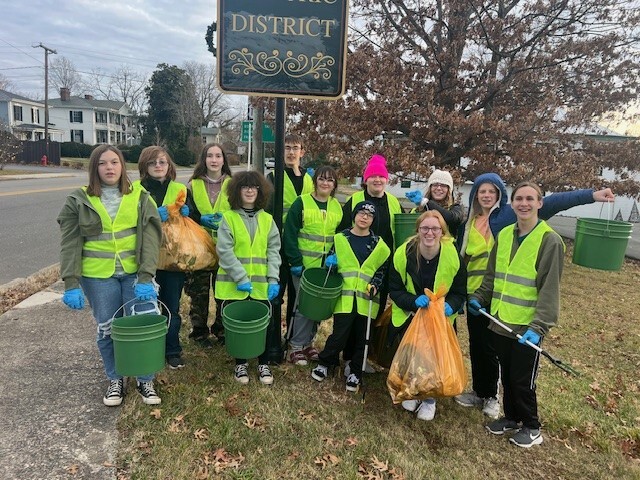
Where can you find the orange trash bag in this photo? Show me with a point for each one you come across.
(428, 362)
(185, 246)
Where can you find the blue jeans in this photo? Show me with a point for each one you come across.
(171, 284)
(106, 295)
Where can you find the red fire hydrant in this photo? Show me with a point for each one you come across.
(43, 161)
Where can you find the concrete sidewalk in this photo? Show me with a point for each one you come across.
(52, 420)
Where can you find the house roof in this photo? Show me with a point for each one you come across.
(6, 96)
(81, 102)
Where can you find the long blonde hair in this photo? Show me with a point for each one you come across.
(446, 235)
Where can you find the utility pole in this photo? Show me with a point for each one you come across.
(46, 94)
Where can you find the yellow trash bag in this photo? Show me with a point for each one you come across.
(428, 362)
(186, 246)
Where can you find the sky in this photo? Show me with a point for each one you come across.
(102, 34)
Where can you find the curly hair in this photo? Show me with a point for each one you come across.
(249, 179)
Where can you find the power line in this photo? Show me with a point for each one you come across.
(30, 56)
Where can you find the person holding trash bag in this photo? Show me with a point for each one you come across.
(308, 237)
(157, 176)
(522, 289)
(110, 243)
(249, 256)
(439, 196)
(427, 260)
(208, 201)
(361, 258)
(488, 214)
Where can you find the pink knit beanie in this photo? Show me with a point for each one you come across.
(377, 165)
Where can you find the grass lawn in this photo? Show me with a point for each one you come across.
(209, 426)
(17, 171)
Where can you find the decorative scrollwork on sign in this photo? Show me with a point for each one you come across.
(269, 65)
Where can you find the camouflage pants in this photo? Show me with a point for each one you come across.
(198, 286)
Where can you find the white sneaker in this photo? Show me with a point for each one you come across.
(491, 407)
(411, 405)
(469, 399)
(264, 372)
(241, 374)
(367, 368)
(427, 410)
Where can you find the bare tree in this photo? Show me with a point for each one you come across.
(213, 104)
(123, 85)
(10, 146)
(63, 74)
(5, 83)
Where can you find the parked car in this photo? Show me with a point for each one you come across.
(270, 162)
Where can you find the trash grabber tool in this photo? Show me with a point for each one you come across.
(366, 346)
(556, 361)
(324, 284)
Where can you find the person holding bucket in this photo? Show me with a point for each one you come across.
(109, 250)
(307, 238)
(157, 176)
(208, 201)
(249, 256)
(522, 288)
(427, 260)
(361, 258)
(488, 214)
(439, 196)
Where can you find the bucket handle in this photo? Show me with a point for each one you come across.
(610, 215)
(141, 301)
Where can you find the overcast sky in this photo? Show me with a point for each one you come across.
(100, 34)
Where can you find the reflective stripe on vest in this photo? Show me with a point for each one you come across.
(392, 203)
(289, 192)
(356, 277)
(171, 194)
(252, 255)
(203, 204)
(315, 238)
(515, 294)
(117, 240)
(478, 250)
(448, 266)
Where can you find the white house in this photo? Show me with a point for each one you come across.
(25, 117)
(210, 134)
(91, 121)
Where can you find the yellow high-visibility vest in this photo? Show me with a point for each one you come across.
(478, 250)
(315, 238)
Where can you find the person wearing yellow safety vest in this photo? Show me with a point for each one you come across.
(361, 257)
(157, 176)
(307, 238)
(249, 257)
(490, 212)
(297, 181)
(522, 288)
(208, 200)
(110, 243)
(427, 260)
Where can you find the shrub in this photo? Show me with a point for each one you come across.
(131, 153)
(183, 156)
(76, 150)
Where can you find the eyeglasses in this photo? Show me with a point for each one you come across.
(293, 148)
(246, 188)
(430, 229)
(365, 214)
(441, 186)
(326, 180)
(162, 163)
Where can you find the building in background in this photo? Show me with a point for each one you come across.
(25, 117)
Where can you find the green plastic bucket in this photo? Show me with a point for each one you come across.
(245, 326)
(601, 244)
(405, 226)
(139, 344)
(319, 293)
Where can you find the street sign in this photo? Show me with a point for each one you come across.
(247, 128)
(282, 48)
(267, 132)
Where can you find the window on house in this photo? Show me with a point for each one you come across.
(35, 115)
(101, 117)
(75, 116)
(17, 113)
(77, 136)
(101, 136)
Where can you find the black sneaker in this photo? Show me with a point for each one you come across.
(527, 437)
(502, 426)
(148, 393)
(353, 382)
(241, 373)
(265, 374)
(175, 361)
(115, 393)
(320, 373)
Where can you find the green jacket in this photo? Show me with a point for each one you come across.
(78, 219)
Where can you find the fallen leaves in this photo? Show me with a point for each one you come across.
(216, 461)
(73, 469)
(327, 460)
(201, 434)
(377, 469)
(254, 421)
(156, 413)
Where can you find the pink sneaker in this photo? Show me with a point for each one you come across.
(297, 357)
(311, 353)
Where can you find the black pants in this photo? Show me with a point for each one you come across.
(484, 361)
(519, 364)
(346, 326)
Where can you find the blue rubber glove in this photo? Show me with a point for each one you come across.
(311, 171)
(73, 298)
(207, 221)
(164, 213)
(184, 210)
(531, 336)
(273, 291)
(422, 301)
(415, 196)
(331, 261)
(145, 292)
(297, 271)
(474, 307)
(245, 287)
(448, 311)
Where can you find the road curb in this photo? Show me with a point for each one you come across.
(20, 282)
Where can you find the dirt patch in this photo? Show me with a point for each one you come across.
(14, 292)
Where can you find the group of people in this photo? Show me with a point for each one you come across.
(502, 258)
